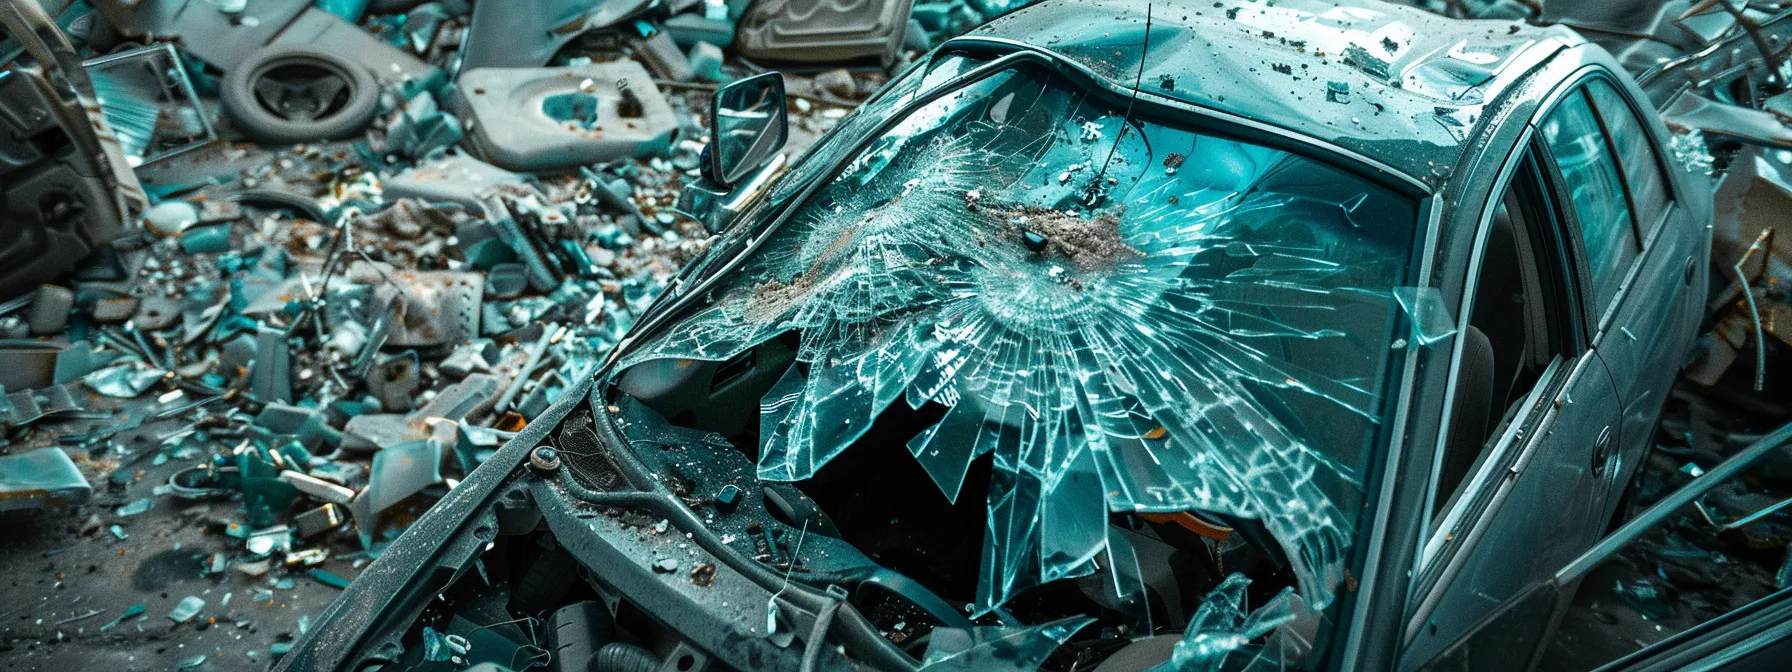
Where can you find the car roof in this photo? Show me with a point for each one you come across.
(1393, 83)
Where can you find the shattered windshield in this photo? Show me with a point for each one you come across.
(1123, 314)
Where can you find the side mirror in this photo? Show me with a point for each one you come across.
(748, 124)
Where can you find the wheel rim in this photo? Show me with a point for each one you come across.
(302, 91)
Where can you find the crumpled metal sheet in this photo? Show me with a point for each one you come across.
(1690, 111)
(1753, 196)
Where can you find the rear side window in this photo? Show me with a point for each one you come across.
(1636, 155)
(1589, 171)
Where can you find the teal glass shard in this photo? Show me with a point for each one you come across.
(1127, 582)
(945, 450)
(435, 646)
(130, 612)
(123, 381)
(148, 98)
(998, 648)
(188, 608)
(1223, 627)
(134, 508)
(398, 472)
(1071, 534)
(1427, 313)
(265, 496)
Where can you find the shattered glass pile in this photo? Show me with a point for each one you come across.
(1124, 315)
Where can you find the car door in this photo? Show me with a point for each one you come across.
(1517, 511)
(1645, 332)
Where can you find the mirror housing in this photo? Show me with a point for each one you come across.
(748, 125)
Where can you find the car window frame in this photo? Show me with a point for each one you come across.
(1599, 319)
(1379, 484)
(1469, 506)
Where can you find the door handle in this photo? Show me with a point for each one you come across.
(1602, 451)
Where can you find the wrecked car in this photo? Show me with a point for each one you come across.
(1114, 336)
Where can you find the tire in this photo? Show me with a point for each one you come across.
(345, 113)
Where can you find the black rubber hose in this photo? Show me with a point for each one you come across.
(818, 635)
(624, 657)
(577, 632)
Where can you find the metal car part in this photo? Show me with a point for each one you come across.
(1393, 537)
(825, 31)
(535, 119)
(68, 186)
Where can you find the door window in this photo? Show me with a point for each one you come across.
(1642, 166)
(1589, 170)
(1515, 329)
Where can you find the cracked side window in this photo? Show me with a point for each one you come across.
(1118, 313)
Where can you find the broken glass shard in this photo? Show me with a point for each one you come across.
(148, 99)
(135, 507)
(398, 472)
(187, 609)
(998, 648)
(1127, 582)
(1124, 316)
(123, 381)
(131, 612)
(1224, 626)
(1645, 598)
(1426, 312)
